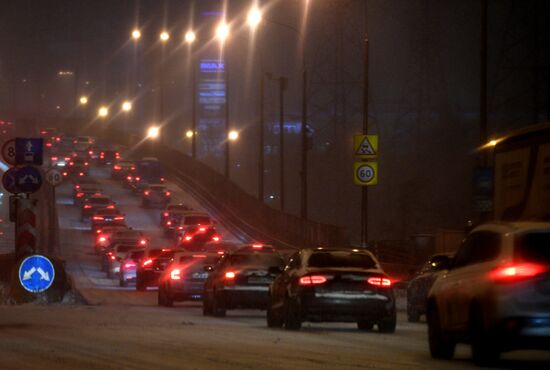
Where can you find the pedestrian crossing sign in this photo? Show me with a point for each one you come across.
(365, 146)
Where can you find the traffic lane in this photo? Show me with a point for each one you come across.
(146, 337)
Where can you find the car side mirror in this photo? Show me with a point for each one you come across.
(208, 268)
(275, 270)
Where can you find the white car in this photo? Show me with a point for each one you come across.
(495, 295)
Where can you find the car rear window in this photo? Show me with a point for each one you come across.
(195, 220)
(208, 260)
(127, 234)
(533, 247)
(256, 259)
(136, 256)
(125, 248)
(99, 200)
(341, 259)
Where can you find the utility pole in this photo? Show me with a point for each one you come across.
(226, 139)
(364, 189)
(483, 83)
(194, 108)
(261, 141)
(282, 88)
(303, 172)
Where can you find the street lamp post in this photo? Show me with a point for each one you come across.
(164, 37)
(261, 141)
(190, 38)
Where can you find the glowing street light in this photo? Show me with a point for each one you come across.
(222, 31)
(189, 134)
(233, 135)
(153, 132)
(164, 36)
(126, 106)
(254, 17)
(190, 37)
(103, 111)
(136, 34)
(83, 100)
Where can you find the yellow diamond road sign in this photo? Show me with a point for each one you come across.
(365, 173)
(365, 146)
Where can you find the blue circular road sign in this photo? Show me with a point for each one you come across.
(36, 273)
(28, 179)
(9, 180)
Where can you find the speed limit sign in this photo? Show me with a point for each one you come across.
(8, 152)
(365, 173)
(54, 177)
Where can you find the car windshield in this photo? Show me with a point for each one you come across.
(197, 220)
(341, 259)
(533, 247)
(255, 259)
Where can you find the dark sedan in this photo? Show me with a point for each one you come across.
(152, 267)
(342, 285)
(241, 280)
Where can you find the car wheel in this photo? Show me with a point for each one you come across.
(365, 325)
(163, 298)
(274, 319)
(140, 286)
(206, 305)
(441, 346)
(218, 308)
(293, 321)
(122, 282)
(485, 350)
(412, 314)
(387, 324)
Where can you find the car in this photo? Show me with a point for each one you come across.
(95, 202)
(128, 236)
(196, 236)
(78, 182)
(170, 209)
(419, 286)
(148, 171)
(79, 167)
(332, 284)
(104, 235)
(107, 157)
(59, 160)
(496, 294)
(240, 280)
(183, 279)
(84, 192)
(128, 266)
(107, 217)
(220, 247)
(121, 168)
(114, 256)
(155, 195)
(152, 266)
(186, 219)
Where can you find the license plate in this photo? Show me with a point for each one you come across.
(108, 219)
(200, 275)
(259, 280)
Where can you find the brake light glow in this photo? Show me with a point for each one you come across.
(199, 256)
(379, 281)
(143, 242)
(202, 229)
(312, 280)
(65, 173)
(55, 158)
(71, 163)
(87, 206)
(77, 186)
(147, 263)
(220, 252)
(166, 214)
(133, 168)
(168, 223)
(90, 152)
(113, 257)
(81, 174)
(188, 238)
(119, 218)
(112, 206)
(162, 179)
(168, 193)
(98, 218)
(216, 238)
(146, 192)
(86, 164)
(175, 274)
(79, 195)
(517, 272)
(102, 239)
(230, 275)
(180, 227)
(257, 246)
(129, 265)
(129, 177)
(48, 145)
(117, 155)
(138, 178)
(117, 167)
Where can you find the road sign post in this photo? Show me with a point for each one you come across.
(54, 177)
(26, 234)
(36, 273)
(365, 173)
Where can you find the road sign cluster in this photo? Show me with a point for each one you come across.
(365, 172)
(23, 154)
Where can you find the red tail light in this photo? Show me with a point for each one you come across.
(199, 256)
(132, 168)
(202, 229)
(147, 263)
(79, 195)
(117, 155)
(111, 206)
(188, 238)
(175, 274)
(129, 178)
(102, 239)
(216, 238)
(257, 246)
(98, 218)
(143, 242)
(313, 280)
(511, 273)
(71, 163)
(138, 178)
(67, 158)
(119, 218)
(77, 186)
(87, 206)
(166, 214)
(146, 192)
(48, 145)
(81, 174)
(86, 164)
(379, 281)
(65, 173)
(90, 152)
(55, 158)
(162, 179)
(168, 223)
(113, 258)
(98, 231)
(168, 193)
(221, 252)
(117, 167)
(180, 227)
(230, 275)
(129, 265)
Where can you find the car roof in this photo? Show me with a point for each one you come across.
(108, 210)
(99, 197)
(513, 227)
(195, 213)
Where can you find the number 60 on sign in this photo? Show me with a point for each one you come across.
(365, 173)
